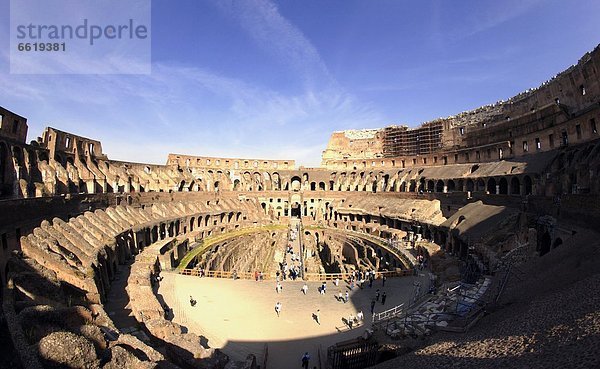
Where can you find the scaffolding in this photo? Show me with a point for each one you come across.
(402, 141)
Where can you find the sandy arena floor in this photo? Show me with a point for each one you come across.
(239, 316)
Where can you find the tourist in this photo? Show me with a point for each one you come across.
(278, 287)
(305, 360)
(278, 308)
(383, 280)
(256, 275)
(383, 297)
(372, 306)
(336, 282)
(347, 297)
(359, 316)
(318, 317)
(323, 288)
(350, 321)
(305, 288)
(377, 295)
(192, 301)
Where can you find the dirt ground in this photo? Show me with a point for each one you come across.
(239, 316)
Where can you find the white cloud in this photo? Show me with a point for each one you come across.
(274, 33)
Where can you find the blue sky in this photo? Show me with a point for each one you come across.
(273, 79)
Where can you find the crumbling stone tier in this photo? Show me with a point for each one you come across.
(510, 191)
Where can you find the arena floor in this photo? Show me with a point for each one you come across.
(239, 316)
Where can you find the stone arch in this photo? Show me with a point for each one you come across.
(450, 186)
(515, 186)
(296, 183)
(439, 186)
(413, 186)
(322, 186)
(470, 185)
(430, 186)
(480, 185)
(528, 185)
(18, 156)
(503, 186)
(491, 186)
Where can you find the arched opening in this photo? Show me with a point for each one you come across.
(322, 186)
(296, 184)
(296, 210)
(450, 186)
(402, 187)
(430, 186)
(421, 187)
(313, 186)
(503, 186)
(491, 186)
(480, 185)
(413, 186)
(439, 186)
(528, 185)
(515, 186)
(470, 185)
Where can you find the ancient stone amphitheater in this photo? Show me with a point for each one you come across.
(505, 196)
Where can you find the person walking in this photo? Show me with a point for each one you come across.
(359, 316)
(350, 321)
(383, 297)
(347, 297)
(372, 306)
(278, 308)
(318, 316)
(383, 280)
(305, 288)
(305, 360)
(377, 295)
(340, 298)
(278, 287)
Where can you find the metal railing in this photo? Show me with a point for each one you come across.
(272, 276)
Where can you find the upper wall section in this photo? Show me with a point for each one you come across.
(567, 96)
(209, 162)
(12, 126)
(61, 144)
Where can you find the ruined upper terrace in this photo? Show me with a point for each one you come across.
(499, 126)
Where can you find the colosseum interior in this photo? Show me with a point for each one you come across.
(498, 208)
